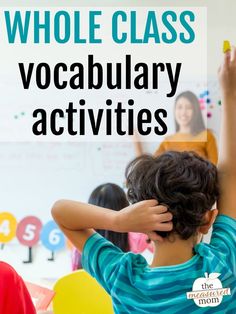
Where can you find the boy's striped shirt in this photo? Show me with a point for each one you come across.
(137, 288)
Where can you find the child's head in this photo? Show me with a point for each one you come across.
(188, 113)
(110, 195)
(186, 183)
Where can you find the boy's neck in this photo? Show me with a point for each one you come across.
(175, 252)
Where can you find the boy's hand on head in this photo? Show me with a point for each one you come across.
(227, 74)
(144, 216)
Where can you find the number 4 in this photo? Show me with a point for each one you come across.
(5, 228)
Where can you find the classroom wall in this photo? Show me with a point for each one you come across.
(33, 176)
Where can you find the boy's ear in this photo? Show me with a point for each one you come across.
(209, 219)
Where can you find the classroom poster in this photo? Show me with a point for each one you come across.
(80, 85)
(77, 83)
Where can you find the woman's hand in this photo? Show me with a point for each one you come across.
(145, 216)
(137, 144)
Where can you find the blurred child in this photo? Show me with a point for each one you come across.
(14, 296)
(188, 185)
(110, 195)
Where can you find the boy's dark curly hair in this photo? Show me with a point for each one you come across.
(186, 183)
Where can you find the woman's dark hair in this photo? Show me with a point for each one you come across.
(197, 123)
(186, 183)
(111, 196)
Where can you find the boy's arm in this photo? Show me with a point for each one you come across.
(77, 220)
(227, 158)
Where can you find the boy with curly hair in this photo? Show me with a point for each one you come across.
(186, 187)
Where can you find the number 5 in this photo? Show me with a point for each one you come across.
(29, 233)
